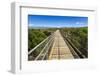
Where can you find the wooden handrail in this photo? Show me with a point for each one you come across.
(43, 49)
(73, 46)
(38, 45)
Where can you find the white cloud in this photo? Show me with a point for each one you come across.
(31, 25)
(79, 23)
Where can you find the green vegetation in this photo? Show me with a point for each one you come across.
(35, 36)
(79, 37)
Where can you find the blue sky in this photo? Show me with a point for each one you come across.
(56, 21)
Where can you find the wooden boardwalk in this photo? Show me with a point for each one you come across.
(60, 49)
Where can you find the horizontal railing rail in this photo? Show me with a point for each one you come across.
(42, 48)
(76, 53)
(32, 50)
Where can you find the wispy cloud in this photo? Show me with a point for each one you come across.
(57, 21)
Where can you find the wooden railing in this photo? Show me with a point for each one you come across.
(76, 53)
(42, 50)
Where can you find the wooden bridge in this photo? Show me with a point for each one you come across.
(54, 47)
(60, 49)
